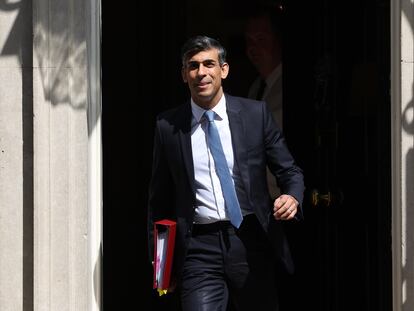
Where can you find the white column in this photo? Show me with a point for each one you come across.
(95, 155)
(67, 173)
(11, 169)
(402, 84)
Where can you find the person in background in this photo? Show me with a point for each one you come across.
(209, 176)
(263, 37)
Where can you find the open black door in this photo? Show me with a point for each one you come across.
(338, 125)
(337, 112)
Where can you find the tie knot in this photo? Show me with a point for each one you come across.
(209, 115)
(260, 91)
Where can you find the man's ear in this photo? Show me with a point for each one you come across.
(224, 70)
(183, 75)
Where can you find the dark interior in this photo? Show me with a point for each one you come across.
(336, 68)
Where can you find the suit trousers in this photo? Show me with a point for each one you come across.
(227, 264)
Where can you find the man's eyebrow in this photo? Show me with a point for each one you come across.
(208, 60)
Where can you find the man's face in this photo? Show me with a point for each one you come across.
(261, 44)
(203, 74)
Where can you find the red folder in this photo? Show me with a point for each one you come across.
(164, 240)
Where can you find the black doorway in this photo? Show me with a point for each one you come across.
(336, 89)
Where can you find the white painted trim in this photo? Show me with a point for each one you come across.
(396, 152)
(95, 154)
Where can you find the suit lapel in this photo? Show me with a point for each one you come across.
(185, 143)
(237, 135)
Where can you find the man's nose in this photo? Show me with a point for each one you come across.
(251, 47)
(202, 70)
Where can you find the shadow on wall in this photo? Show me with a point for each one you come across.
(60, 49)
(14, 45)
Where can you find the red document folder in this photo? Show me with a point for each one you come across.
(164, 240)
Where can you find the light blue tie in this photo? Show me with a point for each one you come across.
(223, 172)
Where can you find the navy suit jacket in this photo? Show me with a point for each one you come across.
(257, 142)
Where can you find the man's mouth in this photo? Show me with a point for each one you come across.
(202, 85)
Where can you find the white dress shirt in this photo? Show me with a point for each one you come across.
(273, 96)
(210, 205)
(273, 93)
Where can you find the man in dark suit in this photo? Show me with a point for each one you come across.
(263, 36)
(229, 232)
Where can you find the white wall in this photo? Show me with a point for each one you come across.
(402, 82)
(50, 157)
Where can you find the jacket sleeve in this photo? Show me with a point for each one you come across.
(159, 194)
(280, 161)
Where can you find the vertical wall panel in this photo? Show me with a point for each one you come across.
(62, 238)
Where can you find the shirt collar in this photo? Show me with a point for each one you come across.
(276, 74)
(219, 109)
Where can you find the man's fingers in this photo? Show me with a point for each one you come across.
(285, 207)
(286, 213)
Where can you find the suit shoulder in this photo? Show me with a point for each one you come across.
(246, 103)
(172, 113)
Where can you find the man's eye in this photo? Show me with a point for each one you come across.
(192, 66)
(210, 65)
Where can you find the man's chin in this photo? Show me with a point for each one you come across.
(202, 98)
(204, 94)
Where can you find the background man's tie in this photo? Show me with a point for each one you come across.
(223, 172)
(260, 91)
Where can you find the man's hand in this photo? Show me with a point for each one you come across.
(285, 207)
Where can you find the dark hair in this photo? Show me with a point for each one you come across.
(202, 43)
(273, 11)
